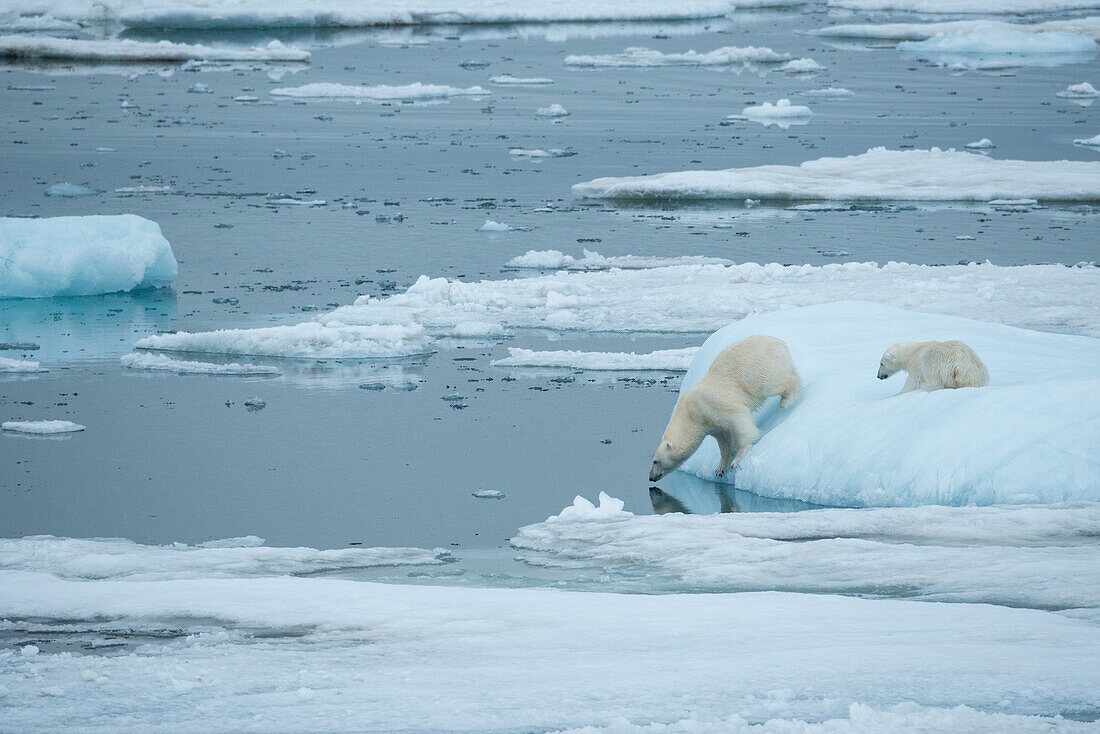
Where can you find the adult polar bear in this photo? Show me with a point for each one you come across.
(738, 382)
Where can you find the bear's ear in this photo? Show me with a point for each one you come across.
(890, 355)
(668, 445)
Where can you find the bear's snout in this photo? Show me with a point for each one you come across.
(882, 373)
(655, 473)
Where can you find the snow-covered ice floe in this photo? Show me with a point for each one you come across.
(537, 153)
(164, 363)
(382, 92)
(702, 298)
(37, 47)
(1084, 90)
(1092, 142)
(82, 256)
(997, 48)
(20, 365)
(877, 175)
(117, 558)
(666, 360)
(554, 110)
(1036, 556)
(506, 79)
(646, 57)
(923, 31)
(308, 340)
(851, 440)
(827, 93)
(782, 113)
(290, 654)
(41, 428)
(802, 66)
(494, 226)
(557, 260)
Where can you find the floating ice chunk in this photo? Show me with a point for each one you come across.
(643, 57)
(983, 144)
(922, 31)
(555, 260)
(1013, 202)
(554, 110)
(665, 360)
(147, 189)
(115, 558)
(19, 365)
(782, 113)
(1084, 90)
(309, 340)
(802, 66)
(82, 256)
(540, 153)
(477, 330)
(69, 191)
(381, 92)
(41, 427)
(199, 88)
(491, 226)
(1091, 142)
(509, 79)
(853, 441)
(164, 363)
(827, 92)
(611, 508)
(38, 47)
(877, 175)
(488, 494)
(995, 48)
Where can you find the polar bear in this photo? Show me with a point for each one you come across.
(740, 379)
(934, 365)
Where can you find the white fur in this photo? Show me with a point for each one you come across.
(934, 365)
(741, 378)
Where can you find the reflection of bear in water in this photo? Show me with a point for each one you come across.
(664, 503)
(740, 379)
(934, 365)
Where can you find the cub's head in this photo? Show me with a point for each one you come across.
(888, 365)
(665, 460)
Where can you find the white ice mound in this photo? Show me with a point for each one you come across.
(666, 360)
(493, 226)
(557, 260)
(164, 363)
(554, 110)
(1031, 556)
(781, 113)
(37, 47)
(308, 340)
(991, 48)
(19, 365)
(1030, 436)
(41, 427)
(802, 66)
(82, 256)
(115, 558)
(1084, 90)
(381, 92)
(877, 175)
(643, 57)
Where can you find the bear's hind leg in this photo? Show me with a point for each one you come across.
(745, 433)
(794, 387)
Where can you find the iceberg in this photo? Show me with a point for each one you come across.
(37, 47)
(877, 175)
(646, 57)
(379, 93)
(851, 440)
(82, 256)
(665, 360)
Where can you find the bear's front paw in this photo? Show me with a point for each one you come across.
(720, 472)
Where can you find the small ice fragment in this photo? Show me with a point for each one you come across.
(4, 692)
(981, 144)
(246, 98)
(1094, 141)
(19, 365)
(491, 226)
(28, 651)
(509, 79)
(1084, 90)
(488, 494)
(405, 386)
(373, 386)
(199, 88)
(454, 398)
(41, 428)
(254, 404)
(802, 66)
(69, 191)
(965, 237)
(554, 110)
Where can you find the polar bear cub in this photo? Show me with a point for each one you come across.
(934, 365)
(740, 379)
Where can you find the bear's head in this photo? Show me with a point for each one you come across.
(888, 365)
(665, 460)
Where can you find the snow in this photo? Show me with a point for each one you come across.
(82, 256)
(554, 110)
(382, 92)
(852, 441)
(491, 226)
(1093, 141)
(69, 190)
(782, 113)
(646, 57)
(308, 340)
(1036, 557)
(983, 144)
(954, 7)
(87, 559)
(530, 80)
(556, 260)
(41, 427)
(164, 363)
(702, 298)
(38, 47)
(388, 657)
(923, 31)
(994, 48)
(877, 175)
(1084, 90)
(19, 365)
(802, 66)
(666, 360)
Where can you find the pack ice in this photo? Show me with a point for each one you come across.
(36, 47)
(82, 256)
(851, 440)
(877, 175)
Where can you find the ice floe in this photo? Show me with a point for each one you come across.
(997, 48)
(1091, 142)
(381, 92)
(537, 153)
(827, 93)
(554, 110)
(802, 66)
(308, 340)
(851, 440)
(645, 57)
(954, 7)
(68, 190)
(19, 365)
(492, 226)
(1084, 90)
(557, 260)
(782, 113)
(117, 558)
(1033, 556)
(923, 31)
(506, 79)
(82, 256)
(164, 363)
(877, 175)
(367, 656)
(666, 360)
(41, 427)
(983, 144)
(38, 47)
